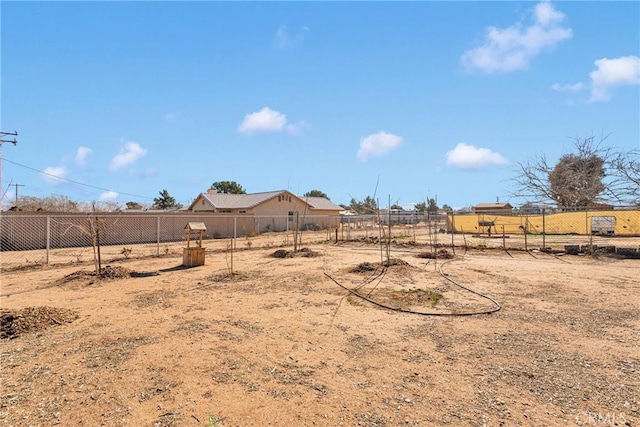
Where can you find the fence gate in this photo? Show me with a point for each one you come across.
(603, 225)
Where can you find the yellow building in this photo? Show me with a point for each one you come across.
(612, 222)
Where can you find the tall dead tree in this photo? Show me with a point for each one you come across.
(592, 173)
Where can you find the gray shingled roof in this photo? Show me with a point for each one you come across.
(239, 201)
(322, 204)
(493, 205)
(248, 201)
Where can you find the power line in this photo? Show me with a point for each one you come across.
(2, 140)
(75, 182)
(15, 203)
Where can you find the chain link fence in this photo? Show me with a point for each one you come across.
(575, 230)
(48, 238)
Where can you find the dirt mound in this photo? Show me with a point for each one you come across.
(114, 273)
(441, 254)
(304, 252)
(363, 267)
(14, 323)
(396, 262)
(88, 277)
(282, 253)
(366, 267)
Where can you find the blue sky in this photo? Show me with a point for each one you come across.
(123, 99)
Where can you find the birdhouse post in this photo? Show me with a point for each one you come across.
(193, 257)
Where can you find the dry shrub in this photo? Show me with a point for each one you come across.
(304, 252)
(14, 323)
(363, 267)
(441, 254)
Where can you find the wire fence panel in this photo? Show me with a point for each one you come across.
(550, 228)
(48, 238)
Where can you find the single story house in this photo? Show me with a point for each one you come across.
(492, 208)
(273, 210)
(536, 209)
(593, 206)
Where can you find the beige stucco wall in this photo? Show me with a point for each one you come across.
(273, 214)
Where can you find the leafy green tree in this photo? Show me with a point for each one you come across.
(316, 193)
(447, 208)
(420, 207)
(134, 205)
(228, 187)
(165, 201)
(396, 207)
(366, 206)
(433, 206)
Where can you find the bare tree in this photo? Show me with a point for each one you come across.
(627, 169)
(592, 173)
(105, 206)
(52, 203)
(576, 180)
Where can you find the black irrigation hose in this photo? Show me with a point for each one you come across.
(498, 307)
(558, 258)
(402, 310)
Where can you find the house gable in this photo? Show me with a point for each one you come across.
(267, 203)
(256, 203)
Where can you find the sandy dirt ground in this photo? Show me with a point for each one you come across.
(281, 343)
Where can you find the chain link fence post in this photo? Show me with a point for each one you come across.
(544, 229)
(158, 235)
(48, 237)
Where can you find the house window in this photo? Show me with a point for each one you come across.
(279, 198)
(202, 202)
(242, 211)
(290, 215)
(225, 211)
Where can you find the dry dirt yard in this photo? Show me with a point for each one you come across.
(279, 343)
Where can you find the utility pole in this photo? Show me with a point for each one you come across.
(16, 200)
(3, 140)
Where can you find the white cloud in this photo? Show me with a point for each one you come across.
(377, 144)
(511, 48)
(268, 120)
(81, 155)
(54, 173)
(283, 40)
(610, 73)
(546, 14)
(576, 87)
(465, 156)
(131, 152)
(109, 196)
